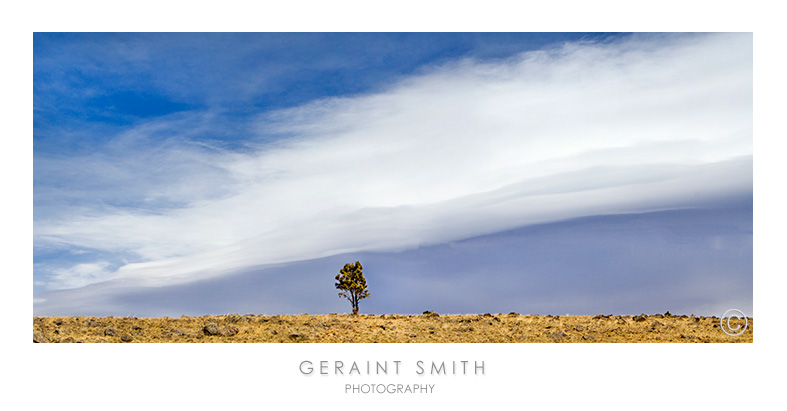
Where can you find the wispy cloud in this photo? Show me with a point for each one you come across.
(461, 149)
(80, 274)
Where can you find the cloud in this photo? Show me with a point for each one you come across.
(667, 260)
(80, 274)
(459, 150)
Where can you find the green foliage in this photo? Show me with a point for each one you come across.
(352, 284)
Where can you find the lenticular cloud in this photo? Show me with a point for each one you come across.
(458, 150)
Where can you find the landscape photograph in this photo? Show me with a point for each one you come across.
(393, 187)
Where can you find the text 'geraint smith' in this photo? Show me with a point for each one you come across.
(337, 367)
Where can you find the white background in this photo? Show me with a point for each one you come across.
(266, 376)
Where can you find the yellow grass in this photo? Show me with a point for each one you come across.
(334, 328)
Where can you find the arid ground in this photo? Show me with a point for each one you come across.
(389, 328)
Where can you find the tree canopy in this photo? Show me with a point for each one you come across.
(352, 284)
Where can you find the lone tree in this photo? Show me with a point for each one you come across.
(352, 284)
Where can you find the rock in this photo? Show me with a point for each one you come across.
(59, 331)
(656, 324)
(94, 323)
(579, 328)
(639, 318)
(558, 335)
(234, 318)
(110, 332)
(512, 313)
(228, 331)
(412, 335)
(297, 337)
(214, 329)
(39, 337)
(68, 340)
(430, 314)
(588, 337)
(211, 329)
(58, 321)
(667, 314)
(126, 338)
(658, 315)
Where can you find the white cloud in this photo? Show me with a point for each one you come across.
(463, 149)
(80, 274)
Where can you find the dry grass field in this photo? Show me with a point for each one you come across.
(426, 328)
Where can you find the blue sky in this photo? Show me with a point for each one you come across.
(543, 173)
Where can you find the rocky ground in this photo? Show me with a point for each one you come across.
(429, 327)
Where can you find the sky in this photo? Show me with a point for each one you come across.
(552, 173)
